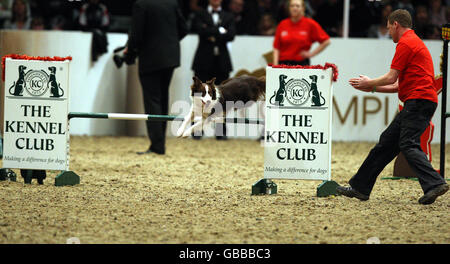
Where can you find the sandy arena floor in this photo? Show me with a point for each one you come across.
(200, 193)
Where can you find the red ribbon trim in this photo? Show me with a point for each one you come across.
(326, 66)
(26, 57)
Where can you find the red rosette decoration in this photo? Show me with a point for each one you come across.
(326, 66)
(26, 57)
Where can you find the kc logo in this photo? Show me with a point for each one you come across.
(297, 92)
(36, 83)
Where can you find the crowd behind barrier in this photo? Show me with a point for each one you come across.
(252, 17)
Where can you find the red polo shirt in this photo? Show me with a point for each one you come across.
(292, 38)
(413, 60)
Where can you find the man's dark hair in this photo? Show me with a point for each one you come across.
(402, 17)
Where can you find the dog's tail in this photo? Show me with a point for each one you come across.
(323, 98)
(60, 89)
(11, 88)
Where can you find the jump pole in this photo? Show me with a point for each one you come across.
(154, 118)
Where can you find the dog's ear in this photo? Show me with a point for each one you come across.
(196, 80)
(212, 80)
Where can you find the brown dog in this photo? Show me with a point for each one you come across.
(211, 102)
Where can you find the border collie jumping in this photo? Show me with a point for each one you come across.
(211, 102)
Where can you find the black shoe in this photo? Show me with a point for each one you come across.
(149, 151)
(350, 192)
(221, 137)
(196, 137)
(431, 195)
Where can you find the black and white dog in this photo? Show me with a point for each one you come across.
(211, 102)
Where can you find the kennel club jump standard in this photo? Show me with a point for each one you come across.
(35, 127)
(298, 128)
(35, 130)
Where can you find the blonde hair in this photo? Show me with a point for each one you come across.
(302, 1)
(288, 3)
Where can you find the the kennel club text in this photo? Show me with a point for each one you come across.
(296, 137)
(30, 128)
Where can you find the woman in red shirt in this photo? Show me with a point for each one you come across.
(295, 35)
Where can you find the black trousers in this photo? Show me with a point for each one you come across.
(403, 134)
(305, 62)
(155, 88)
(221, 128)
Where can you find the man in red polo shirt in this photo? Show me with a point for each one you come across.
(412, 76)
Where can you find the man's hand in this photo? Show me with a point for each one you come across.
(361, 83)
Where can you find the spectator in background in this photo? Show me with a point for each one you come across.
(57, 14)
(20, 17)
(236, 8)
(265, 6)
(447, 13)
(215, 28)
(437, 13)
(190, 8)
(329, 16)
(5, 10)
(58, 22)
(94, 17)
(433, 32)
(245, 17)
(405, 4)
(282, 10)
(37, 23)
(380, 30)
(421, 23)
(267, 25)
(5, 4)
(295, 35)
(361, 18)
